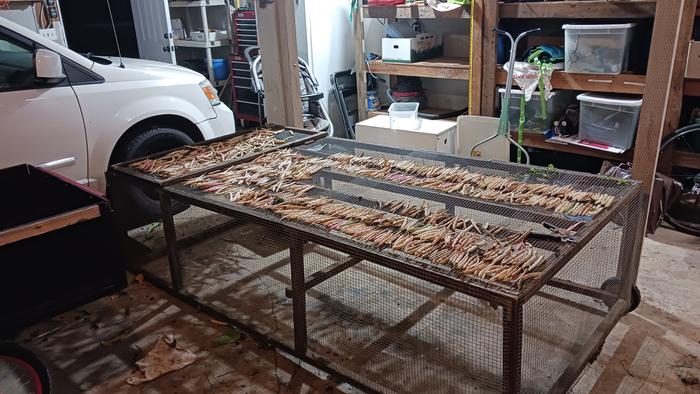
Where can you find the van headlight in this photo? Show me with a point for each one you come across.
(210, 92)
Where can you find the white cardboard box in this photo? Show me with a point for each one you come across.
(408, 50)
(432, 135)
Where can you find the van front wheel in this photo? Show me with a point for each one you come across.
(143, 202)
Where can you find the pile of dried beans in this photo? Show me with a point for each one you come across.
(196, 157)
(562, 199)
(473, 250)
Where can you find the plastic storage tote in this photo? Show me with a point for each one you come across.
(556, 105)
(609, 120)
(597, 49)
(404, 116)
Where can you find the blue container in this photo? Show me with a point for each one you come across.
(220, 69)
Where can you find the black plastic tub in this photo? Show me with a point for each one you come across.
(58, 247)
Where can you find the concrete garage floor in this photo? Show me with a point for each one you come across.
(93, 349)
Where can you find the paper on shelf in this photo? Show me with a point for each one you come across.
(574, 140)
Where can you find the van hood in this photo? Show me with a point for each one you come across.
(146, 69)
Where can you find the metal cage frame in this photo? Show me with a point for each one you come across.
(510, 301)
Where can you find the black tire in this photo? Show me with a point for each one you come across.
(145, 202)
(684, 227)
(681, 215)
(12, 352)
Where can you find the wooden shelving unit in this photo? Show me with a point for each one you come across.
(452, 68)
(662, 87)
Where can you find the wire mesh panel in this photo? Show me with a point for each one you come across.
(396, 333)
(362, 262)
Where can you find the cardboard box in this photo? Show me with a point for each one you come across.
(692, 68)
(432, 135)
(409, 50)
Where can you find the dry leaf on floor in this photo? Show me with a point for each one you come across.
(165, 357)
(138, 279)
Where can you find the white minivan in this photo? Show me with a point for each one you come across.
(77, 114)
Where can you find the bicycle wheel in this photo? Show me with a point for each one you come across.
(21, 371)
(684, 215)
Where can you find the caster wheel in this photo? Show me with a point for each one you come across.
(612, 285)
(595, 355)
(636, 298)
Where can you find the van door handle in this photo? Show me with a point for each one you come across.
(60, 163)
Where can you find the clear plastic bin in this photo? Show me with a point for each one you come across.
(404, 116)
(556, 105)
(608, 119)
(597, 49)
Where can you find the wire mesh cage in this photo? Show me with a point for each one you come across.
(411, 319)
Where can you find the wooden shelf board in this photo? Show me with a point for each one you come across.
(686, 159)
(622, 83)
(597, 9)
(538, 141)
(440, 67)
(428, 110)
(691, 87)
(414, 11)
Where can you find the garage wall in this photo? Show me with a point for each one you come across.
(330, 45)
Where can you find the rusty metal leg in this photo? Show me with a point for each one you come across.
(512, 348)
(296, 259)
(171, 242)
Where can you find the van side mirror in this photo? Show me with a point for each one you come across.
(48, 66)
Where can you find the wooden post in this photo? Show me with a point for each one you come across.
(663, 94)
(488, 84)
(476, 38)
(675, 102)
(278, 48)
(360, 69)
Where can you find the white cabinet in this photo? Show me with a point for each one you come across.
(153, 30)
(432, 135)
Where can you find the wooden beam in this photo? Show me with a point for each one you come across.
(476, 39)
(675, 101)
(44, 226)
(360, 68)
(439, 67)
(488, 84)
(278, 49)
(664, 88)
